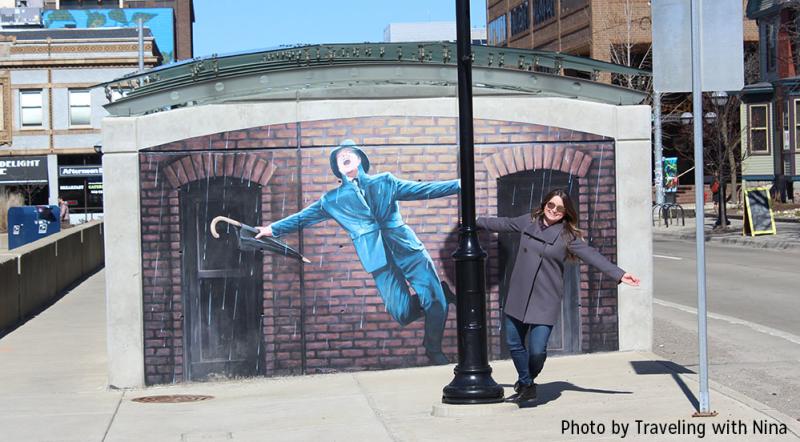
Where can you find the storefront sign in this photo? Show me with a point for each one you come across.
(23, 170)
(80, 171)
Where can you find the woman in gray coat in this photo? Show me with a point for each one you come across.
(548, 237)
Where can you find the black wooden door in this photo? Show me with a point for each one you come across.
(518, 194)
(222, 286)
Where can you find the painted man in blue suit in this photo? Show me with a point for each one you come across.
(366, 206)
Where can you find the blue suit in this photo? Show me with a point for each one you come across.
(370, 213)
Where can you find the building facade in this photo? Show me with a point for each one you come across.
(618, 31)
(53, 107)
(770, 111)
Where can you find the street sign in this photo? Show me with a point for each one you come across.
(721, 42)
(23, 170)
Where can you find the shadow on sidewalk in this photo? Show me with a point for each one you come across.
(552, 390)
(672, 369)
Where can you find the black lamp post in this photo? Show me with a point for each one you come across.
(720, 99)
(473, 383)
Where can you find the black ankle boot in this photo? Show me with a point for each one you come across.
(527, 393)
(524, 393)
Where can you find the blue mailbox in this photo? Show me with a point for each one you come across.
(28, 223)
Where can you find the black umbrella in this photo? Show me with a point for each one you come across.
(248, 241)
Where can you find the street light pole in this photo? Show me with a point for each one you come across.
(473, 383)
(720, 99)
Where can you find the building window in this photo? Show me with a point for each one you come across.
(30, 108)
(80, 107)
(520, 20)
(543, 10)
(771, 31)
(759, 128)
(797, 124)
(785, 128)
(497, 31)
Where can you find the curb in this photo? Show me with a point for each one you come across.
(742, 242)
(739, 217)
(789, 246)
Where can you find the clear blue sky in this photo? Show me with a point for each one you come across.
(238, 25)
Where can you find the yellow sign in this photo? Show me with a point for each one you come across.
(758, 217)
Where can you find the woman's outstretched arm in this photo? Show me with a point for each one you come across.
(502, 225)
(591, 256)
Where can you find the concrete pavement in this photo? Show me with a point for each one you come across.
(54, 388)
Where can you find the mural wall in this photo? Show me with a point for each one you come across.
(231, 306)
(159, 20)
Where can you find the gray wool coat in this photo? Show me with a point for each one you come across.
(537, 279)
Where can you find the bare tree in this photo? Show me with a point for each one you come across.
(29, 190)
(626, 29)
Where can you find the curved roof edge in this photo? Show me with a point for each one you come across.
(380, 70)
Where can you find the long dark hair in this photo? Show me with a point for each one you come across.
(570, 218)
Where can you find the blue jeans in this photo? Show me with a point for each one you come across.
(528, 363)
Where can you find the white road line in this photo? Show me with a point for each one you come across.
(730, 319)
(668, 257)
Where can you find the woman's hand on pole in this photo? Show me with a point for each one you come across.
(630, 280)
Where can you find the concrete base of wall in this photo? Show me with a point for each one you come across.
(36, 274)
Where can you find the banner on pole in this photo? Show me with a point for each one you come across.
(670, 174)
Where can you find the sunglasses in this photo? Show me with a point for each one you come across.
(552, 206)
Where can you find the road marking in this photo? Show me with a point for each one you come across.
(730, 319)
(668, 257)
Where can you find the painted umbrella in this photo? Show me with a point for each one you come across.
(248, 241)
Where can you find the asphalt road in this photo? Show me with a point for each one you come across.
(753, 298)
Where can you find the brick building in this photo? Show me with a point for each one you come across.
(202, 308)
(53, 106)
(618, 31)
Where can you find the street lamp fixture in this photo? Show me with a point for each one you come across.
(686, 118)
(719, 98)
(710, 117)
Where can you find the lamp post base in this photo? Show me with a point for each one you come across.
(472, 388)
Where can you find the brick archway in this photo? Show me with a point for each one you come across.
(199, 166)
(590, 166)
(161, 245)
(562, 158)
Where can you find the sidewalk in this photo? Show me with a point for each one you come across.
(54, 388)
(787, 237)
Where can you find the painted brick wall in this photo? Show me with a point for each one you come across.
(334, 311)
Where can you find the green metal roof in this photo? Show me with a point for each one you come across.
(360, 71)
